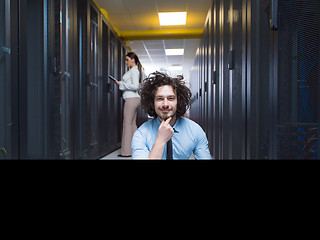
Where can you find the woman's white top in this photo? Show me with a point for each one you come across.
(130, 83)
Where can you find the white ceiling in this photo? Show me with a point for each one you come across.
(142, 15)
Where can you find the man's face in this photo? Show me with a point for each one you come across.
(165, 102)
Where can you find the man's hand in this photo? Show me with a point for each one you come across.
(165, 133)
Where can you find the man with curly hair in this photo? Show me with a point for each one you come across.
(169, 136)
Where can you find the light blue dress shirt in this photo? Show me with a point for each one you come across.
(188, 137)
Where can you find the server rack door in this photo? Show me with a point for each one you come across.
(194, 112)
(215, 78)
(92, 87)
(33, 80)
(194, 89)
(221, 30)
(5, 86)
(80, 86)
(121, 71)
(106, 86)
(198, 86)
(238, 93)
(66, 77)
(210, 86)
(225, 78)
(117, 96)
(206, 77)
(259, 59)
(201, 95)
(203, 92)
(112, 89)
(298, 79)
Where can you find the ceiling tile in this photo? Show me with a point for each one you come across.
(173, 44)
(156, 52)
(112, 6)
(175, 59)
(199, 5)
(172, 6)
(141, 6)
(151, 42)
(154, 46)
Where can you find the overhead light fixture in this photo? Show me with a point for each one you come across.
(174, 52)
(173, 18)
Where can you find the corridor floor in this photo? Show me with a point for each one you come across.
(114, 156)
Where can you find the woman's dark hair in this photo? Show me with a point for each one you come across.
(134, 56)
(150, 86)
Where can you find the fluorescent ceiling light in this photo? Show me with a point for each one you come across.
(174, 52)
(173, 18)
(176, 68)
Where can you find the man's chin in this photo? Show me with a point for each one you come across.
(166, 117)
(163, 117)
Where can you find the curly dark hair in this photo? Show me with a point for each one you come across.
(157, 79)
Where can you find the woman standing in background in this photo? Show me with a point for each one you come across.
(130, 85)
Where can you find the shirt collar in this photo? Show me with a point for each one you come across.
(176, 127)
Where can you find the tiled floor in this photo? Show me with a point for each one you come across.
(114, 156)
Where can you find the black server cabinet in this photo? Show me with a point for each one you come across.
(57, 101)
(111, 91)
(92, 87)
(80, 142)
(5, 136)
(45, 79)
(46, 75)
(8, 81)
(33, 80)
(106, 82)
(263, 97)
(232, 84)
(261, 80)
(113, 54)
(207, 76)
(194, 85)
(222, 66)
(201, 83)
(122, 51)
(298, 79)
(283, 70)
(215, 46)
(209, 86)
(68, 76)
(118, 94)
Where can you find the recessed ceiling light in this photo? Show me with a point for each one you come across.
(173, 18)
(174, 52)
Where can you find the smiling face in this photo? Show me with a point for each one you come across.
(165, 103)
(131, 62)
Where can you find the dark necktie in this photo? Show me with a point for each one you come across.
(169, 150)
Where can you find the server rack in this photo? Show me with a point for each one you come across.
(105, 129)
(8, 120)
(264, 93)
(298, 73)
(58, 102)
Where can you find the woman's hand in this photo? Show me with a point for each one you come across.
(117, 83)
